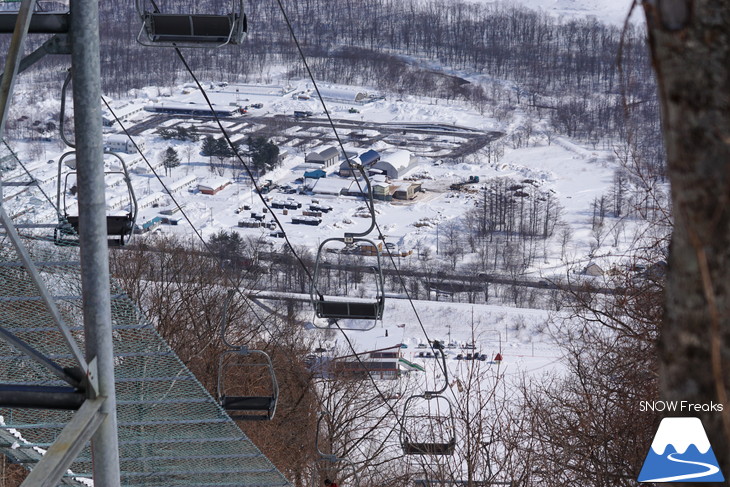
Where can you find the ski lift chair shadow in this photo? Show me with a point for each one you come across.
(190, 30)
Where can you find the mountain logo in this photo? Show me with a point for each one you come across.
(681, 452)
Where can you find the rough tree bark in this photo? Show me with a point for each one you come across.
(690, 44)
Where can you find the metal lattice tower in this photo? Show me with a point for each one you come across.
(171, 431)
(82, 374)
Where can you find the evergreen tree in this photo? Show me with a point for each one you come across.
(209, 146)
(170, 159)
(264, 153)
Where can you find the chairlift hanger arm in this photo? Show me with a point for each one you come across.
(58, 44)
(62, 114)
(437, 345)
(224, 320)
(12, 60)
(371, 206)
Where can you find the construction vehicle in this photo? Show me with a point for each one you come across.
(471, 180)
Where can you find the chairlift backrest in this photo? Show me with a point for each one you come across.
(162, 29)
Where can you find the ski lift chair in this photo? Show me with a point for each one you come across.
(346, 307)
(41, 22)
(331, 458)
(190, 30)
(413, 441)
(118, 227)
(244, 407)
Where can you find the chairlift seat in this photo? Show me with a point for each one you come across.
(40, 22)
(196, 29)
(247, 408)
(247, 403)
(116, 225)
(356, 310)
(415, 448)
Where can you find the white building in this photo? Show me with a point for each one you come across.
(183, 183)
(394, 164)
(121, 143)
(122, 113)
(343, 95)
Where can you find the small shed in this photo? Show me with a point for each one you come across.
(593, 269)
(315, 174)
(213, 185)
(407, 191)
(382, 191)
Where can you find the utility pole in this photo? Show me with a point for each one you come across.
(437, 238)
(95, 287)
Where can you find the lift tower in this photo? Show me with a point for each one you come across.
(92, 391)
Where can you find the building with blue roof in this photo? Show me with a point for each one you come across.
(366, 159)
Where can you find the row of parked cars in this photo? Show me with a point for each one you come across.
(461, 356)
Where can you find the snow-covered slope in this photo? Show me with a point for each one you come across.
(609, 11)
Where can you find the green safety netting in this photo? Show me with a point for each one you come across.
(171, 431)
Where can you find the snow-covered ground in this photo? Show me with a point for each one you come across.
(608, 11)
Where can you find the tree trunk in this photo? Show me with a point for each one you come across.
(690, 44)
